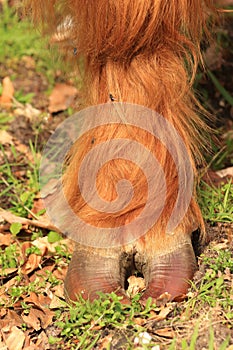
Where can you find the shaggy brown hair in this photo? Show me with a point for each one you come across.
(144, 52)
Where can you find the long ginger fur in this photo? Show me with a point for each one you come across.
(140, 51)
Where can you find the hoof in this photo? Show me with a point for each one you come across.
(170, 274)
(95, 270)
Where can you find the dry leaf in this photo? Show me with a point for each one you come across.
(5, 138)
(38, 206)
(10, 319)
(13, 337)
(163, 299)
(165, 332)
(139, 321)
(105, 342)
(42, 273)
(3, 312)
(225, 172)
(136, 285)
(7, 92)
(61, 97)
(7, 285)
(163, 313)
(56, 303)
(32, 319)
(38, 319)
(5, 239)
(31, 264)
(14, 318)
(9, 217)
(60, 274)
(8, 271)
(39, 300)
(42, 341)
(27, 111)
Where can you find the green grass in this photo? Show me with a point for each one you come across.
(214, 289)
(19, 189)
(18, 39)
(225, 94)
(223, 157)
(86, 319)
(217, 203)
(15, 43)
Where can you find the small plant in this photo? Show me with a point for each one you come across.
(15, 228)
(191, 344)
(214, 288)
(217, 203)
(85, 319)
(220, 88)
(9, 257)
(13, 46)
(221, 261)
(19, 191)
(23, 98)
(12, 33)
(222, 155)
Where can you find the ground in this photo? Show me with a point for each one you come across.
(34, 258)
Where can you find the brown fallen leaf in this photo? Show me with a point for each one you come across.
(139, 321)
(32, 319)
(105, 342)
(61, 97)
(163, 299)
(38, 319)
(38, 300)
(7, 92)
(136, 285)
(228, 172)
(5, 239)
(41, 274)
(161, 313)
(9, 217)
(5, 138)
(4, 288)
(56, 303)
(13, 337)
(13, 318)
(38, 206)
(21, 148)
(60, 274)
(32, 263)
(165, 333)
(42, 341)
(8, 271)
(3, 312)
